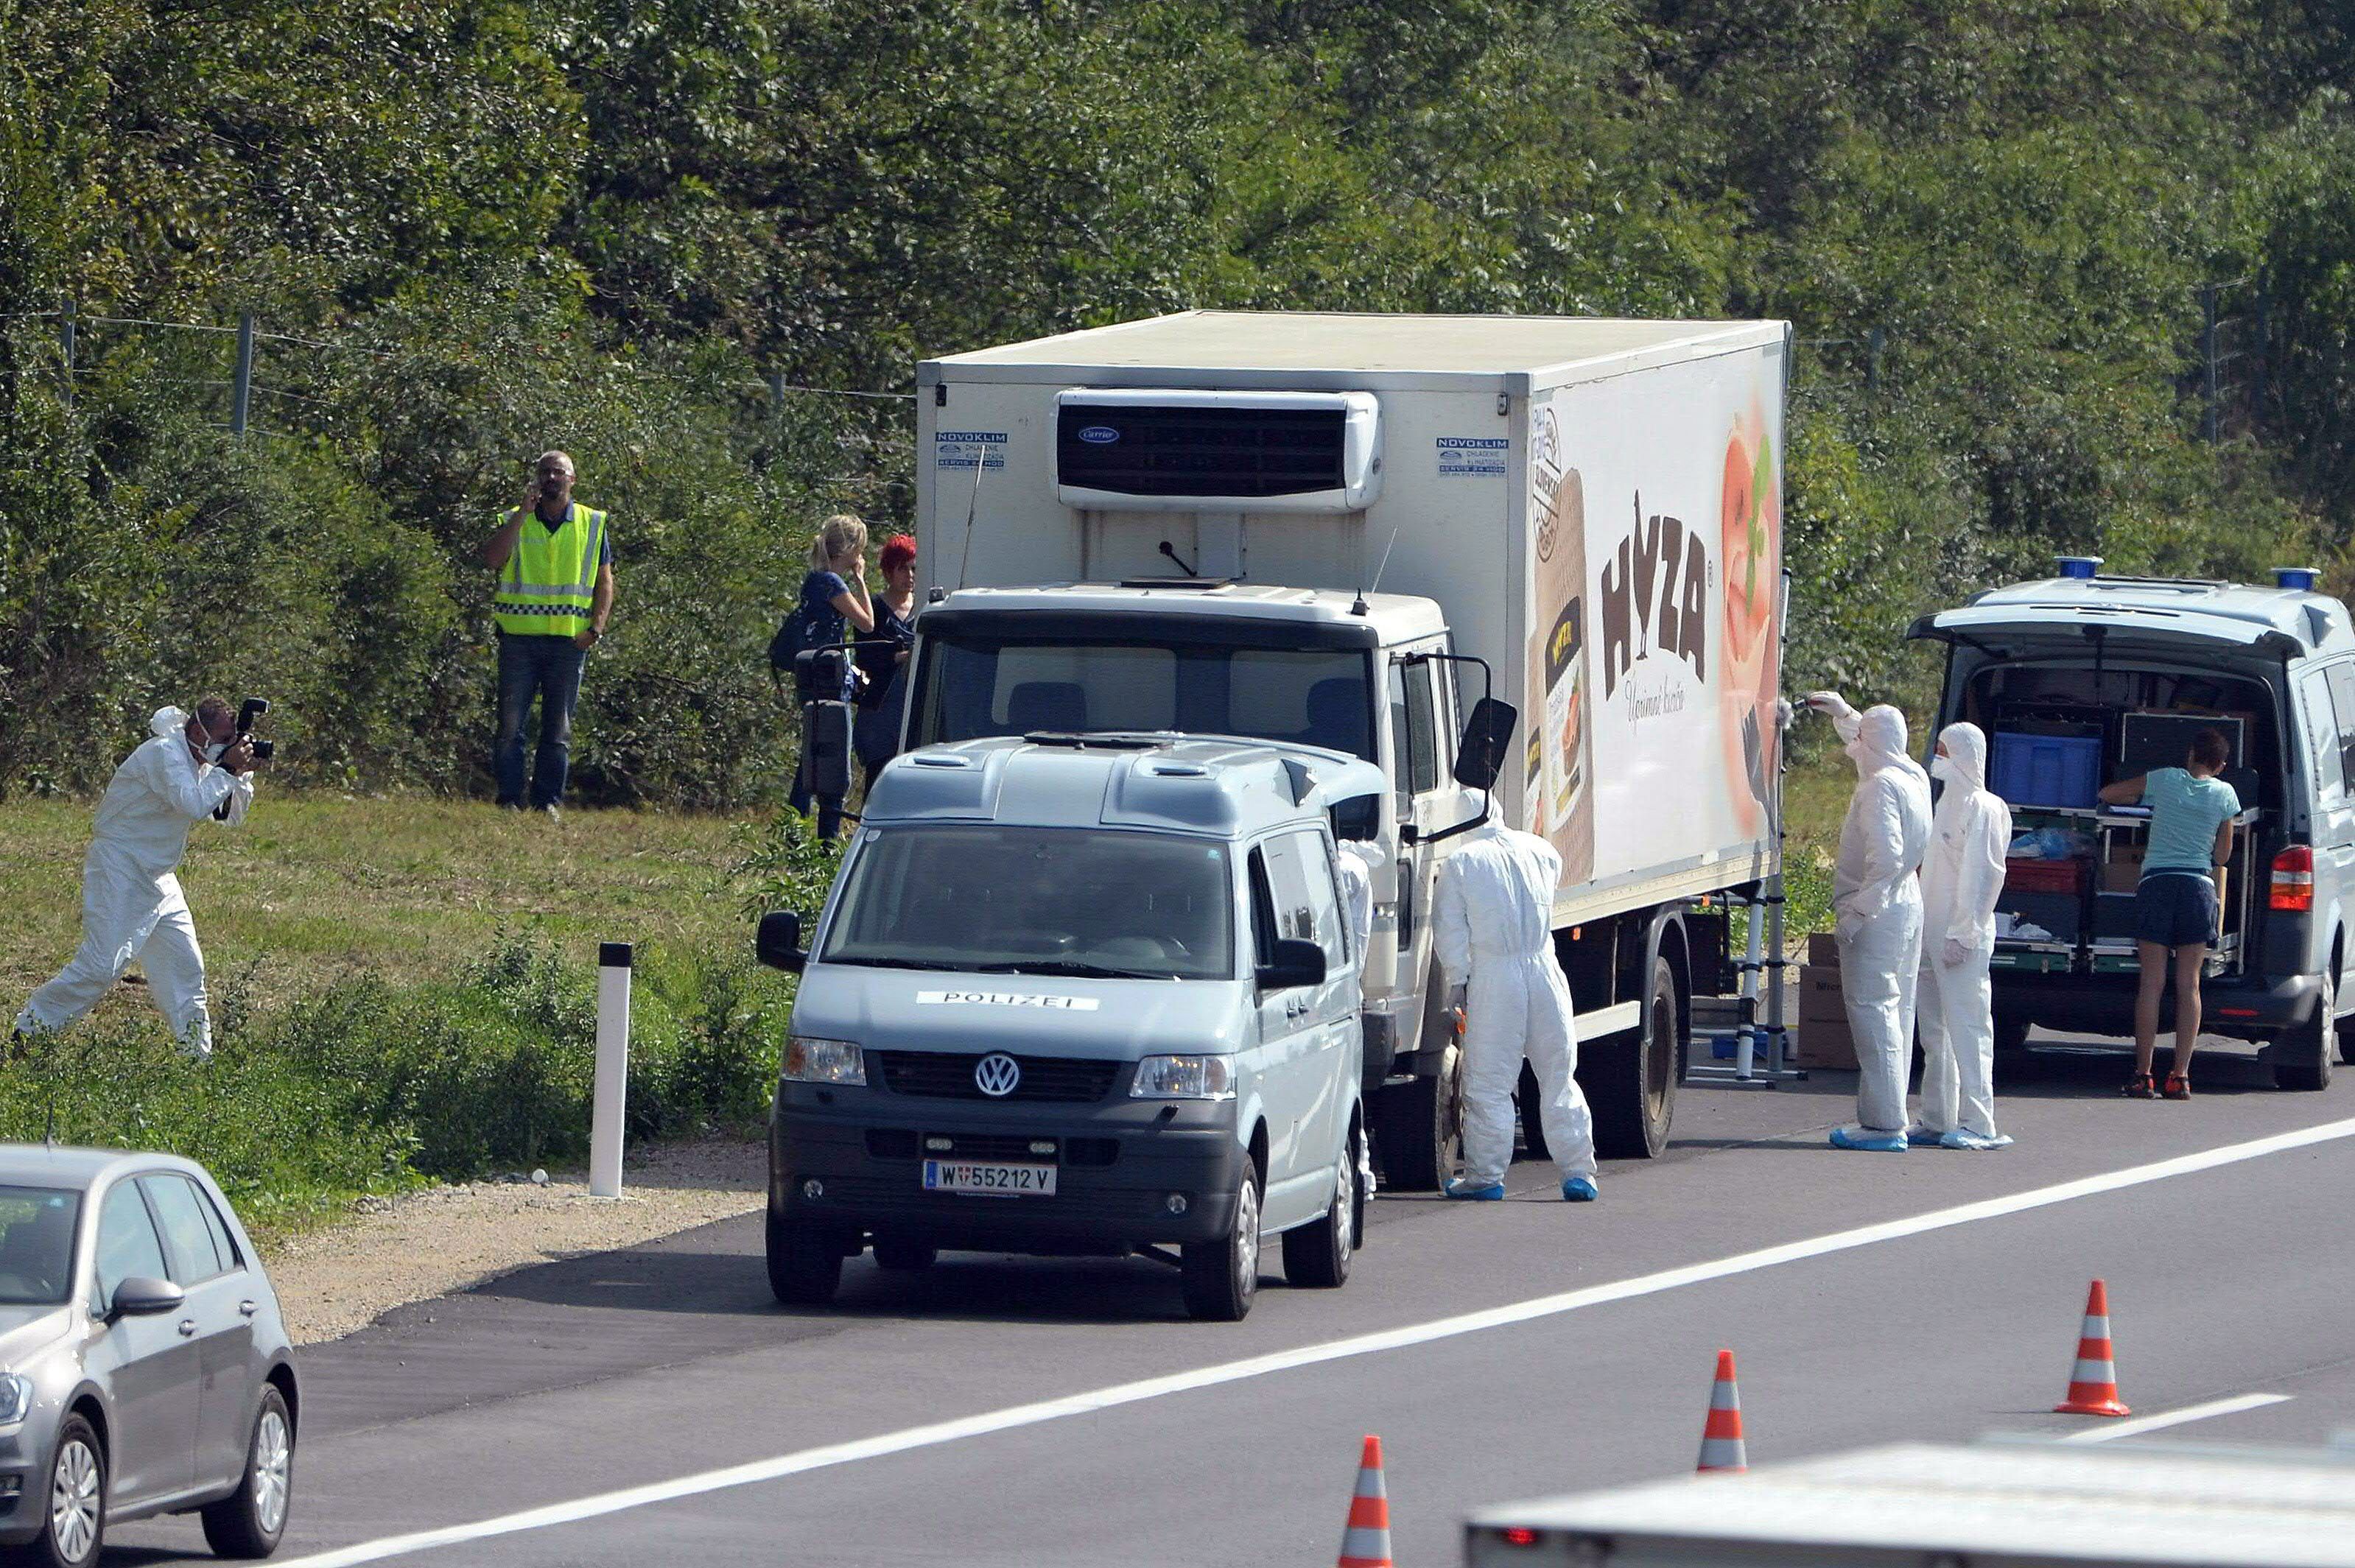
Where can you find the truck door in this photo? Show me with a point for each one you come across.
(1427, 800)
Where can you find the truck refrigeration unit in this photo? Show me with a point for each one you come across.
(1345, 531)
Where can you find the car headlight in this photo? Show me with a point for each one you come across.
(1184, 1078)
(813, 1061)
(15, 1399)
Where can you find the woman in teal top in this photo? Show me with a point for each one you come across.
(2191, 812)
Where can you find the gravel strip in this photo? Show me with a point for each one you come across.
(446, 1238)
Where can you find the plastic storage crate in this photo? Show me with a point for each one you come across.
(2046, 770)
(2043, 876)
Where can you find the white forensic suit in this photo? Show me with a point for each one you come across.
(1877, 900)
(1962, 876)
(1492, 930)
(1355, 861)
(132, 907)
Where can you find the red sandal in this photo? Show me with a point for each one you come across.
(2178, 1087)
(2140, 1087)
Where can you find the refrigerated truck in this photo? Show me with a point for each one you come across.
(1345, 530)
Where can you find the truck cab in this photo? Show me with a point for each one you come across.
(2085, 680)
(1083, 995)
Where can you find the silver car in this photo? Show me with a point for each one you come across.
(144, 1365)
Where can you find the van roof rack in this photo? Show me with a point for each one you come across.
(1199, 584)
(1079, 742)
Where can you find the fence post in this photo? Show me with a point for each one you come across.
(242, 389)
(2208, 420)
(612, 1069)
(1874, 342)
(66, 343)
(776, 391)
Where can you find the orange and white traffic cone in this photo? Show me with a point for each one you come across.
(2093, 1382)
(1366, 1542)
(1721, 1447)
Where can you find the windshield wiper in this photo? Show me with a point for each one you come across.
(1071, 968)
(889, 963)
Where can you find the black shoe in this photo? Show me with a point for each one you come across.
(2140, 1087)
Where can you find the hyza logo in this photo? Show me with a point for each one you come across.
(1649, 605)
(996, 1075)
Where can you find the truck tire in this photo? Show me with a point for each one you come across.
(1220, 1278)
(1317, 1255)
(1630, 1078)
(2303, 1057)
(1419, 1127)
(805, 1263)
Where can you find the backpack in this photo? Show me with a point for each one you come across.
(791, 632)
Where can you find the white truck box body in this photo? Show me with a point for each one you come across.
(1537, 475)
(2020, 1504)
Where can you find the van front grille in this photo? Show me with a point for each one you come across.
(945, 1076)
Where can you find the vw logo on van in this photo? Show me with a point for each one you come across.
(1099, 434)
(996, 1075)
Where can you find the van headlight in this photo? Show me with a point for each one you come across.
(811, 1060)
(1184, 1078)
(15, 1399)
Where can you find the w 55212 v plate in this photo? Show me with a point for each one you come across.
(988, 1179)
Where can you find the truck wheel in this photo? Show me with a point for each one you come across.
(1533, 1139)
(902, 1256)
(1420, 1130)
(1317, 1255)
(1220, 1278)
(805, 1263)
(1630, 1079)
(2303, 1057)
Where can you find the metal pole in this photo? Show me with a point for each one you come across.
(1874, 342)
(613, 1069)
(776, 391)
(2208, 421)
(241, 390)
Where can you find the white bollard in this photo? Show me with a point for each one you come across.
(613, 1069)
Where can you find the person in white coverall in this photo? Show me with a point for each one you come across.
(1877, 901)
(1492, 930)
(131, 902)
(1962, 876)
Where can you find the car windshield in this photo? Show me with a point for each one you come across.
(982, 686)
(1037, 901)
(37, 1239)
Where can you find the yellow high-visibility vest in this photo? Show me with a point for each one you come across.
(550, 581)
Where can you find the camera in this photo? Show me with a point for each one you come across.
(252, 709)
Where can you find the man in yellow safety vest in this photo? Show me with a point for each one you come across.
(554, 562)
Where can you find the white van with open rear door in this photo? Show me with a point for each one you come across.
(2084, 679)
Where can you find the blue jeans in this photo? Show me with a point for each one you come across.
(549, 669)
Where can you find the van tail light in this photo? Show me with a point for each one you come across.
(2293, 886)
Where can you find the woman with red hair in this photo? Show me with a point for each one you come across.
(883, 655)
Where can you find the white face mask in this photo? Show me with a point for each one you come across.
(1943, 768)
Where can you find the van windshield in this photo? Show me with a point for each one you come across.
(976, 685)
(1037, 901)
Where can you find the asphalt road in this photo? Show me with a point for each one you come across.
(656, 1406)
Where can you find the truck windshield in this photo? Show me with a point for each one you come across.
(1037, 901)
(976, 686)
(36, 1240)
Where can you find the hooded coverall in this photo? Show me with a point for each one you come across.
(1879, 908)
(1492, 930)
(132, 907)
(1962, 878)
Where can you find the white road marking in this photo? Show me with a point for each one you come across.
(943, 1432)
(2141, 1424)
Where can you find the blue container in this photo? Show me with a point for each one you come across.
(2046, 770)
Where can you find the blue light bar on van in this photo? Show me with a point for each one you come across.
(2080, 566)
(2296, 578)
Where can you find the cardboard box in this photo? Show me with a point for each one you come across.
(1823, 952)
(1822, 1042)
(2121, 870)
(1819, 993)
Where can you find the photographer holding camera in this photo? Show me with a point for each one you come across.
(132, 907)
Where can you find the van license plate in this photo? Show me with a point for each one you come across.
(989, 1180)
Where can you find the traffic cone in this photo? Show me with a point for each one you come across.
(1367, 1542)
(2093, 1384)
(1721, 1446)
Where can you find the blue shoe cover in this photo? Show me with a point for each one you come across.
(1578, 1190)
(1493, 1192)
(1922, 1134)
(1958, 1138)
(1865, 1139)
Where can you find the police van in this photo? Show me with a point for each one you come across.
(1081, 994)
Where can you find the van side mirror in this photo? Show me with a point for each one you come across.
(1291, 964)
(142, 1296)
(1487, 737)
(779, 943)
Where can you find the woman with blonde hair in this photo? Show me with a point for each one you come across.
(834, 600)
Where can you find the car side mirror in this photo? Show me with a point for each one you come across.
(779, 944)
(1291, 964)
(1487, 737)
(144, 1295)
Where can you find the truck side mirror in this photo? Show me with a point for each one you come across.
(779, 943)
(1487, 738)
(1293, 962)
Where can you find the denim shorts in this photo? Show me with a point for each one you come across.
(2176, 909)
